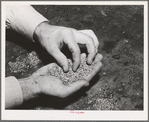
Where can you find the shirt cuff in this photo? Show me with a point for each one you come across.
(13, 92)
(23, 19)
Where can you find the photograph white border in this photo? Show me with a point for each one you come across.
(66, 114)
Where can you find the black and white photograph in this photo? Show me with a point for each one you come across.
(76, 58)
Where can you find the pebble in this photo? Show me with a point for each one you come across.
(126, 40)
(104, 73)
(116, 56)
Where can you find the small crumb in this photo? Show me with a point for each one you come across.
(126, 40)
(104, 73)
(68, 78)
(23, 64)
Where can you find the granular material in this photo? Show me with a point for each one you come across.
(82, 72)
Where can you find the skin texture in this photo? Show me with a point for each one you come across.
(52, 38)
(51, 85)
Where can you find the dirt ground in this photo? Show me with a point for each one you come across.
(119, 84)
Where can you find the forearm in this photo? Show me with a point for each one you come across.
(23, 19)
(13, 92)
(18, 91)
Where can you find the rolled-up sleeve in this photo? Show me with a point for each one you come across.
(23, 19)
(13, 92)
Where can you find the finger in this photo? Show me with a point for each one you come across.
(92, 34)
(70, 40)
(85, 39)
(74, 87)
(96, 69)
(60, 58)
(98, 58)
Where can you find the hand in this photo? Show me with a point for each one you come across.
(51, 85)
(52, 38)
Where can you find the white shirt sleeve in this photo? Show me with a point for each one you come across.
(23, 19)
(13, 92)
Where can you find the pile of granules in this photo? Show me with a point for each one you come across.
(82, 72)
(22, 64)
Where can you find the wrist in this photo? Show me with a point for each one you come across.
(29, 88)
(40, 29)
(43, 31)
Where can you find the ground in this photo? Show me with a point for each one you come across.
(119, 84)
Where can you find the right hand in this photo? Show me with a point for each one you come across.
(52, 38)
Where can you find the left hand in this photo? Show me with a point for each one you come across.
(51, 85)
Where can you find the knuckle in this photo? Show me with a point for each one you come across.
(91, 42)
(62, 62)
(94, 38)
(67, 31)
(75, 50)
(91, 31)
(61, 59)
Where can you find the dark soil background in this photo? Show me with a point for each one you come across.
(119, 84)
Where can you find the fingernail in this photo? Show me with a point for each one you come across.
(64, 68)
(74, 69)
(90, 61)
